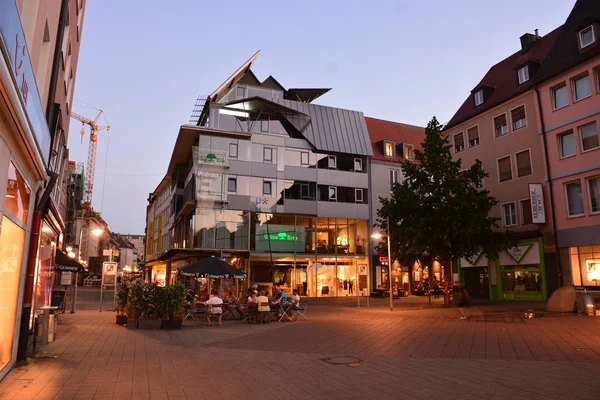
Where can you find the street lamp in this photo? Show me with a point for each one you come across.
(97, 232)
(379, 235)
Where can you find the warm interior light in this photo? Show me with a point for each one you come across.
(377, 235)
(69, 249)
(71, 254)
(46, 229)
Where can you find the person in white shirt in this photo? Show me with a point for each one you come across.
(295, 304)
(213, 309)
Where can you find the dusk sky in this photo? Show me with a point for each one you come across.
(145, 62)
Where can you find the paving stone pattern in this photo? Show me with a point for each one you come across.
(405, 354)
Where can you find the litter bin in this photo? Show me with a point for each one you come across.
(49, 322)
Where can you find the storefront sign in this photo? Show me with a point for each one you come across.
(66, 278)
(210, 181)
(264, 204)
(14, 45)
(519, 252)
(383, 260)
(212, 156)
(109, 268)
(280, 238)
(209, 186)
(536, 195)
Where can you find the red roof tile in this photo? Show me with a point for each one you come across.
(502, 78)
(396, 132)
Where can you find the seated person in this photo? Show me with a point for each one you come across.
(213, 311)
(261, 300)
(189, 297)
(295, 304)
(280, 297)
(252, 296)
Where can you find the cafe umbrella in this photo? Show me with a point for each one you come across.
(64, 263)
(212, 268)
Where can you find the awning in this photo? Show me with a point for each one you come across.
(211, 267)
(65, 263)
(305, 95)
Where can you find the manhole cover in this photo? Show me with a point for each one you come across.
(342, 360)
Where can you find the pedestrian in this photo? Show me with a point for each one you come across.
(436, 289)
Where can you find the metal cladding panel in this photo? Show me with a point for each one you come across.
(332, 129)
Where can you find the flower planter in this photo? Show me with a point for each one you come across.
(122, 320)
(171, 324)
(152, 324)
(132, 323)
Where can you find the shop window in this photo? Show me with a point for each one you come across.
(522, 280)
(12, 239)
(18, 194)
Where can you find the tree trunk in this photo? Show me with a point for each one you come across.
(448, 284)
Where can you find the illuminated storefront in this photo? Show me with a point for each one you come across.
(585, 266)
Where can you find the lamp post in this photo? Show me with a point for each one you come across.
(379, 235)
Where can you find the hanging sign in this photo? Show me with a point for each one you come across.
(536, 196)
(519, 252)
(66, 278)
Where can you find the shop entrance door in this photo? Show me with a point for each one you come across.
(477, 282)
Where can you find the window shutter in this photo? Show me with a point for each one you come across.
(523, 163)
(504, 169)
(500, 121)
(518, 113)
(526, 208)
(459, 140)
(473, 134)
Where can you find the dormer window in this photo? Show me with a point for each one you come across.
(388, 148)
(478, 97)
(523, 74)
(586, 37)
(408, 151)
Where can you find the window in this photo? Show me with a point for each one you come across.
(358, 195)
(509, 214)
(233, 150)
(504, 169)
(598, 80)
(500, 126)
(268, 154)
(304, 158)
(389, 149)
(409, 151)
(523, 74)
(357, 164)
(586, 37)
(267, 187)
(589, 137)
(523, 163)
(394, 173)
(332, 193)
(518, 118)
(459, 142)
(264, 125)
(594, 187)
(566, 143)
(526, 212)
(581, 87)
(331, 162)
(241, 92)
(574, 199)
(232, 185)
(560, 97)
(478, 97)
(473, 135)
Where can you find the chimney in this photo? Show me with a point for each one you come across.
(527, 41)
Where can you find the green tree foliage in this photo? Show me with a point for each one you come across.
(439, 209)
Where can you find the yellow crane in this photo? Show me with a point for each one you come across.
(89, 175)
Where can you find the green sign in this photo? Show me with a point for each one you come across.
(281, 236)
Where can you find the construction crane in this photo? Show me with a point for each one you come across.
(89, 176)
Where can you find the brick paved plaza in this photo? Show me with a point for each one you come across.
(412, 353)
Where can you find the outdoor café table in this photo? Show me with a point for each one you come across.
(229, 310)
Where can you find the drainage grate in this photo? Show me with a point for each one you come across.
(343, 360)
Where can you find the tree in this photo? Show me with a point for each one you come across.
(439, 211)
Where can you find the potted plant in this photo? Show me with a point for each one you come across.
(174, 299)
(122, 297)
(148, 317)
(135, 303)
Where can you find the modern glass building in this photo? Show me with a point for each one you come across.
(271, 181)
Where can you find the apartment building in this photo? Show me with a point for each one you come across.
(569, 97)
(499, 124)
(273, 182)
(393, 143)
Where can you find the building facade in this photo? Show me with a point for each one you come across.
(569, 97)
(273, 182)
(393, 143)
(499, 124)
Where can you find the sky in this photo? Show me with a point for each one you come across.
(145, 63)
